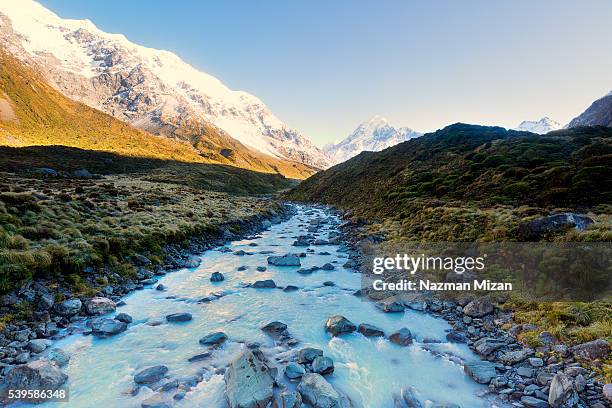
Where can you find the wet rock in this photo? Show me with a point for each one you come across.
(329, 283)
(156, 401)
(213, 339)
(328, 267)
(217, 277)
(59, 356)
(322, 365)
(407, 399)
(317, 392)
(192, 262)
(264, 284)
(481, 371)
(99, 306)
(37, 374)
(124, 317)
(199, 357)
(369, 330)
(478, 307)
(487, 346)
(562, 393)
(290, 288)
(68, 307)
(288, 399)
(107, 327)
(294, 371)
(38, 345)
(149, 281)
(285, 260)
(392, 307)
(513, 357)
(531, 402)
(179, 317)
(160, 287)
(248, 382)
(308, 354)
(456, 336)
(274, 328)
(592, 350)
(338, 325)
(150, 375)
(261, 269)
(241, 268)
(403, 337)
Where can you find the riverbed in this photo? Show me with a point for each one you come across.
(368, 370)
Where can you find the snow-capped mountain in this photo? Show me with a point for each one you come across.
(374, 135)
(541, 126)
(598, 114)
(151, 89)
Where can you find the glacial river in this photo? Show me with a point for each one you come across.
(368, 370)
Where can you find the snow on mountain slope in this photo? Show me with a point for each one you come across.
(541, 126)
(374, 135)
(152, 89)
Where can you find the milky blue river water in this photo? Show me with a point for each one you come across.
(369, 370)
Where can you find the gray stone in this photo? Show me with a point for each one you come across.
(536, 362)
(456, 337)
(248, 382)
(478, 307)
(156, 401)
(338, 325)
(37, 374)
(38, 345)
(392, 307)
(179, 317)
(592, 350)
(607, 392)
(264, 284)
(513, 357)
(82, 173)
(308, 354)
(481, 371)
(274, 328)
(317, 392)
(531, 402)
(369, 330)
(328, 267)
(217, 277)
(107, 327)
(60, 357)
(68, 307)
(261, 269)
(525, 372)
(124, 317)
(285, 260)
(407, 399)
(151, 374)
(192, 262)
(213, 339)
(486, 346)
(288, 399)
(403, 337)
(294, 371)
(562, 393)
(322, 365)
(99, 306)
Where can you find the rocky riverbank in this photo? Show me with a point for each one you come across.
(54, 311)
(550, 375)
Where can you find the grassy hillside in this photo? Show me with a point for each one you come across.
(34, 113)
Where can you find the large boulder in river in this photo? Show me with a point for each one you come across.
(107, 327)
(100, 305)
(248, 382)
(592, 350)
(37, 374)
(338, 325)
(369, 330)
(285, 260)
(213, 339)
(150, 375)
(68, 307)
(562, 393)
(308, 354)
(403, 337)
(478, 307)
(317, 392)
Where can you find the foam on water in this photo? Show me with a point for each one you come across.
(368, 370)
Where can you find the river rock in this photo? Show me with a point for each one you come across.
(124, 317)
(156, 401)
(264, 284)
(288, 399)
(59, 356)
(392, 307)
(151, 374)
(322, 365)
(481, 371)
(328, 267)
(407, 399)
(68, 307)
(607, 392)
(369, 330)
(478, 307)
(290, 288)
(592, 350)
(487, 345)
(338, 325)
(179, 317)
(294, 370)
(317, 392)
(213, 339)
(532, 402)
(160, 287)
(107, 327)
(37, 374)
(192, 262)
(99, 306)
(274, 328)
(403, 337)
(308, 354)
(562, 393)
(285, 260)
(248, 382)
(38, 345)
(513, 357)
(217, 277)
(261, 269)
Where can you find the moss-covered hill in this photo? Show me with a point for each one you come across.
(469, 164)
(34, 113)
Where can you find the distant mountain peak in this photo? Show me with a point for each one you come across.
(374, 134)
(541, 126)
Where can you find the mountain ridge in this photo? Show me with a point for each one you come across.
(599, 113)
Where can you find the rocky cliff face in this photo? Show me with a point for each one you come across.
(598, 114)
(152, 89)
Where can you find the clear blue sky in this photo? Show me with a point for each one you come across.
(325, 66)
